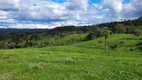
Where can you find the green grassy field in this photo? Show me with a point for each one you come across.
(73, 38)
(80, 61)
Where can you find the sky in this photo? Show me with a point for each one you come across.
(55, 13)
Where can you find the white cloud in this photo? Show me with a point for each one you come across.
(114, 5)
(132, 9)
(9, 4)
(78, 5)
(3, 15)
(118, 9)
(98, 6)
(49, 14)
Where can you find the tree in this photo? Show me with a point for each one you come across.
(95, 34)
(137, 32)
(18, 38)
(106, 34)
(33, 39)
(3, 45)
(11, 45)
(130, 29)
(120, 28)
(139, 45)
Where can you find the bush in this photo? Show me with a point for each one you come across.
(12, 45)
(122, 42)
(3, 45)
(120, 28)
(137, 32)
(139, 45)
(29, 44)
(100, 41)
(40, 44)
(114, 47)
(94, 35)
(20, 45)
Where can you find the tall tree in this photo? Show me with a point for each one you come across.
(137, 32)
(106, 34)
(3, 45)
(34, 38)
(18, 38)
(120, 28)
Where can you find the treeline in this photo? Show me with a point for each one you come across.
(19, 38)
(26, 31)
(127, 27)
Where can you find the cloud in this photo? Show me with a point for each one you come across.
(131, 9)
(49, 13)
(137, 5)
(115, 5)
(98, 6)
(78, 5)
(7, 5)
(3, 15)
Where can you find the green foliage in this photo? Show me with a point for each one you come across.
(122, 42)
(137, 32)
(130, 29)
(3, 45)
(12, 45)
(18, 38)
(33, 40)
(40, 44)
(106, 33)
(35, 37)
(70, 39)
(120, 28)
(94, 35)
(139, 45)
(114, 47)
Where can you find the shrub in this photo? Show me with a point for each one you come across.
(69, 60)
(132, 49)
(12, 45)
(114, 47)
(28, 44)
(120, 28)
(137, 32)
(40, 44)
(100, 41)
(94, 35)
(139, 45)
(20, 45)
(3, 45)
(122, 42)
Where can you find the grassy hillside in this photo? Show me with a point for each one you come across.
(129, 41)
(80, 61)
(66, 40)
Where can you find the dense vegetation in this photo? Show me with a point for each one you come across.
(26, 31)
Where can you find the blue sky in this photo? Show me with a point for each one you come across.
(54, 13)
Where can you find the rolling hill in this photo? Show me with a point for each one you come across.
(86, 60)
